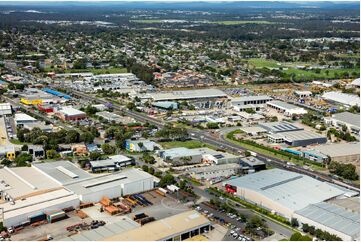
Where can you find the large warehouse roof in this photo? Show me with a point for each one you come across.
(103, 232)
(351, 203)
(301, 135)
(100, 183)
(188, 94)
(251, 98)
(292, 190)
(63, 172)
(276, 127)
(333, 216)
(23, 181)
(164, 228)
(342, 149)
(349, 118)
(343, 98)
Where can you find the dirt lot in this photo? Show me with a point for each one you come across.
(57, 230)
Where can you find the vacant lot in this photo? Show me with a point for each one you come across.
(190, 144)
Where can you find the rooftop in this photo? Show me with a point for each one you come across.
(343, 98)
(342, 149)
(251, 98)
(23, 117)
(276, 127)
(292, 190)
(63, 172)
(215, 168)
(164, 228)
(188, 94)
(67, 110)
(283, 105)
(301, 135)
(351, 203)
(333, 216)
(180, 152)
(349, 118)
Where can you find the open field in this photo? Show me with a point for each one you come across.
(191, 144)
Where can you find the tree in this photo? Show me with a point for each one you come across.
(87, 137)
(72, 136)
(212, 125)
(108, 149)
(167, 179)
(52, 154)
(94, 156)
(23, 159)
(24, 147)
(299, 237)
(145, 168)
(294, 222)
(148, 158)
(6, 162)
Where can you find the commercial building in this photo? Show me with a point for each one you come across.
(202, 98)
(250, 102)
(303, 94)
(215, 171)
(333, 218)
(56, 93)
(5, 109)
(166, 105)
(342, 152)
(342, 98)
(177, 227)
(33, 96)
(141, 145)
(22, 119)
(113, 163)
(252, 164)
(125, 182)
(350, 120)
(286, 108)
(278, 127)
(217, 157)
(180, 156)
(253, 130)
(70, 113)
(282, 192)
(37, 151)
(297, 138)
(110, 117)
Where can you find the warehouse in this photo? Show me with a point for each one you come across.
(26, 192)
(177, 227)
(5, 109)
(282, 191)
(350, 120)
(21, 119)
(112, 163)
(297, 138)
(332, 218)
(141, 145)
(342, 152)
(253, 130)
(214, 171)
(250, 102)
(62, 172)
(165, 105)
(33, 96)
(252, 164)
(286, 108)
(70, 113)
(202, 98)
(217, 157)
(110, 117)
(303, 94)
(278, 127)
(56, 93)
(129, 181)
(180, 156)
(342, 98)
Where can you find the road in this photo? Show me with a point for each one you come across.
(219, 141)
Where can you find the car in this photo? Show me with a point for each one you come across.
(235, 236)
(232, 232)
(205, 211)
(198, 208)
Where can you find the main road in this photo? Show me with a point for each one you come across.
(217, 141)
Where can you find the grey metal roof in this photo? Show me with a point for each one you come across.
(290, 189)
(180, 152)
(276, 127)
(282, 105)
(342, 149)
(301, 135)
(105, 231)
(347, 117)
(333, 216)
(251, 98)
(50, 168)
(188, 94)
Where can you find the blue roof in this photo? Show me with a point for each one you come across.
(56, 93)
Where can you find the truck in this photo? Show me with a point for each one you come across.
(252, 153)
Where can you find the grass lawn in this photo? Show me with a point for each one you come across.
(237, 22)
(260, 63)
(95, 71)
(17, 142)
(190, 144)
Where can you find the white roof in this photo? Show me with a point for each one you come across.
(251, 98)
(70, 111)
(5, 106)
(348, 118)
(342, 149)
(343, 98)
(356, 82)
(292, 190)
(188, 94)
(23, 117)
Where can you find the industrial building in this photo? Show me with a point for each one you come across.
(342, 152)
(214, 171)
(180, 156)
(283, 192)
(33, 96)
(5, 109)
(253, 130)
(112, 185)
(113, 163)
(297, 138)
(25, 193)
(303, 94)
(22, 119)
(286, 108)
(250, 102)
(70, 114)
(110, 117)
(333, 218)
(177, 227)
(350, 120)
(166, 105)
(278, 127)
(252, 164)
(141, 145)
(202, 98)
(217, 157)
(342, 98)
